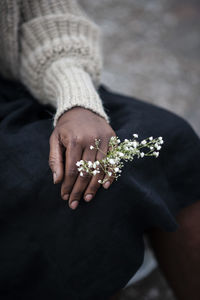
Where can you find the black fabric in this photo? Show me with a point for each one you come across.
(47, 250)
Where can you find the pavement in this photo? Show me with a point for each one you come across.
(151, 51)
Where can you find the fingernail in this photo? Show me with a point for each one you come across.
(88, 197)
(65, 197)
(106, 184)
(74, 204)
(54, 177)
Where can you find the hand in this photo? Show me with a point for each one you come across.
(70, 141)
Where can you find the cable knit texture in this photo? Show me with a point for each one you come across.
(54, 49)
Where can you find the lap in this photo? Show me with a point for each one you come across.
(102, 239)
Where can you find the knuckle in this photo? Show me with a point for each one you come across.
(85, 177)
(52, 162)
(72, 172)
(93, 188)
(76, 195)
(93, 137)
(63, 139)
(75, 140)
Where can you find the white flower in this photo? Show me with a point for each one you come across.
(126, 152)
(90, 164)
(121, 154)
(157, 146)
(135, 144)
(111, 161)
(80, 162)
(156, 154)
(142, 154)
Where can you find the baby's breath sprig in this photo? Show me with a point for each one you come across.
(112, 163)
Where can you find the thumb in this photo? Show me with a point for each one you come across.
(56, 158)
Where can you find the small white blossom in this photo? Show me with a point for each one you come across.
(156, 154)
(142, 154)
(121, 154)
(135, 144)
(111, 161)
(160, 138)
(90, 164)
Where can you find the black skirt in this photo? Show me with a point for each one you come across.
(49, 251)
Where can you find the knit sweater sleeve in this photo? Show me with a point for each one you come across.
(60, 55)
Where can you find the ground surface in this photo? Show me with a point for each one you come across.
(151, 51)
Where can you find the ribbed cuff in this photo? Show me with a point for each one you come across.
(67, 86)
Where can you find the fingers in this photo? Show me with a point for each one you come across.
(56, 158)
(109, 179)
(72, 155)
(82, 181)
(94, 185)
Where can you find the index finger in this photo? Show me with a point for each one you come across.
(72, 155)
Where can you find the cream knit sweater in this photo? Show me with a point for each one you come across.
(54, 49)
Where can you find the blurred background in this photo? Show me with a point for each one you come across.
(151, 51)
